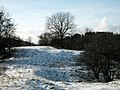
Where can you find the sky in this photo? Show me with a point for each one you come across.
(30, 15)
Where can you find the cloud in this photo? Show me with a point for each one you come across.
(102, 26)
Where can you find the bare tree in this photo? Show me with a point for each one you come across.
(7, 28)
(59, 24)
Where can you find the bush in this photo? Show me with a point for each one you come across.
(102, 55)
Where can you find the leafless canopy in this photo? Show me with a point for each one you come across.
(7, 26)
(60, 23)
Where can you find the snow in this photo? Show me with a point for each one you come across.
(46, 68)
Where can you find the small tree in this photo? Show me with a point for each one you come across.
(59, 24)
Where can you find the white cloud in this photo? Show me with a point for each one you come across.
(103, 25)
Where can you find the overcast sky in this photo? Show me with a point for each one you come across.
(30, 15)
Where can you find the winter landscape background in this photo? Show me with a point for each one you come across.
(59, 45)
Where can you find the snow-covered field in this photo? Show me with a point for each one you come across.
(45, 68)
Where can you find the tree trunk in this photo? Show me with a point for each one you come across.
(61, 42)
(96, 72)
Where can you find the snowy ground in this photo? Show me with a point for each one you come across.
(45, 68)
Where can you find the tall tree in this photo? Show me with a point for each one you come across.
(7, 28)
(59, 24)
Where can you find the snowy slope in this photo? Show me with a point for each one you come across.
(45, 68)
